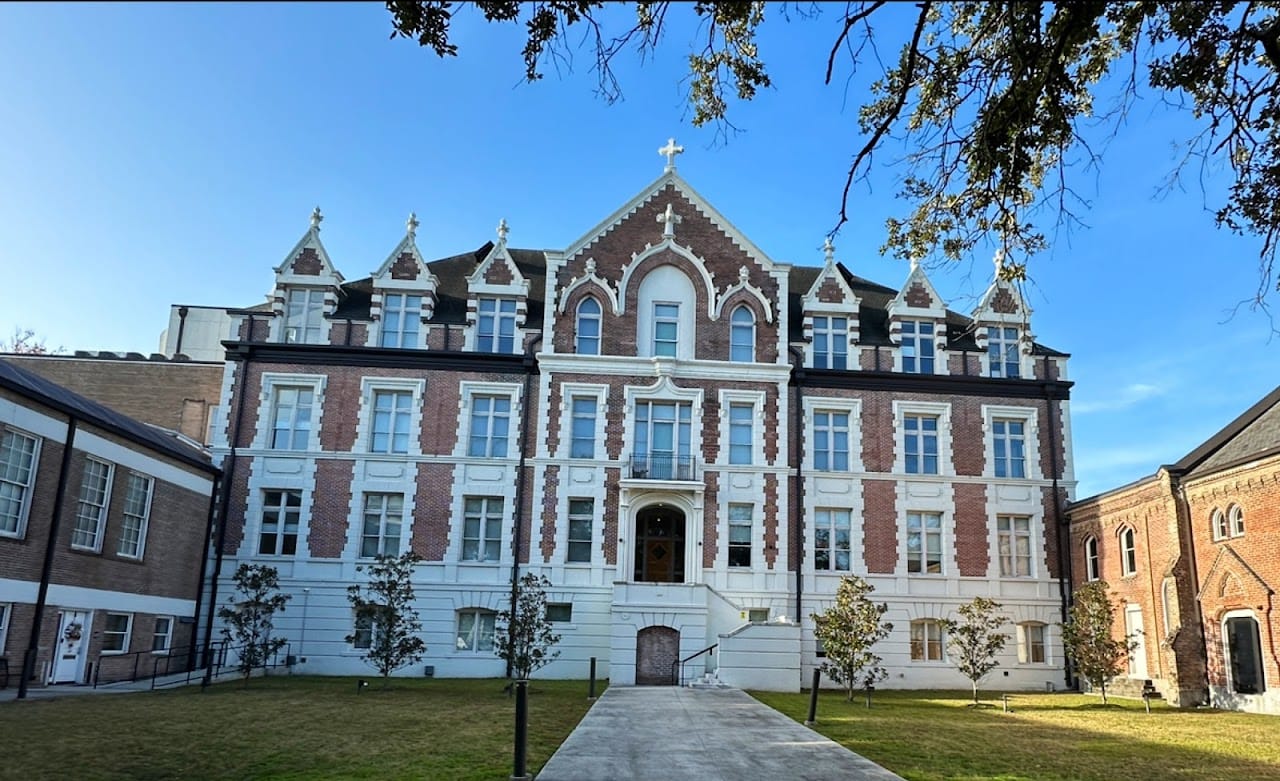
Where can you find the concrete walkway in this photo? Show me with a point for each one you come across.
(641, 733)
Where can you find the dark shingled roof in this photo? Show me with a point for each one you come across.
(1254, 433)
(33, 386)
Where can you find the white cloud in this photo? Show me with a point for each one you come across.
(1114, 400)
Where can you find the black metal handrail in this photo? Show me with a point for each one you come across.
(168, 658)
(662, 466)
(677, 678)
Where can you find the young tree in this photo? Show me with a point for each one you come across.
(523, 636)
(847, 630)
(249, 615)
(975, 639)
(1087, 637)
(25, 342)
(385, 615)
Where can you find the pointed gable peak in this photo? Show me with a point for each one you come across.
(497, 271)
(917, 296)
(1002, 302)
(308, 261)
(830, 289)
(405, 266)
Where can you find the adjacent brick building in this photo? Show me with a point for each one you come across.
(103, 529)
(691, 440)
(1192, 555)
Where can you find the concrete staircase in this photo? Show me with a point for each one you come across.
(709, 680)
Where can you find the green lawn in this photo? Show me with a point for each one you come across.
(928, 736)
(288, 728)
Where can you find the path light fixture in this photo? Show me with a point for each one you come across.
(361, 685)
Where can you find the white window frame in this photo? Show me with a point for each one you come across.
(739, 508)
(472, 643)
(1128, 553)
(369, 388)
(265, 436)
(597, 394)
(921, 560)
(834, 519)
(126, 636)
(488, 509)
(296, 424)
(1235, 520)
(89, 512)
(585, 409)
(837, 341)
(361, 632)
(6, 610)
(664, 392)
(737, 328)
(659, 320)
(383, 515)
(167, 635)
(403, 306)
(932, 637)
(496, 319)
(834, 426)
(1030, 420)
(1007, 537)
(1218, 526)
(813, 406)
(570, 541)
(282, 522)
(299, 328)
(469, 392)
(919, 343)
(755, 400)
(1027, 645)
(580, 317)
(942, 411)
(999, 342)
(140, 520)
(395, 406)
(22, 488)
(567, 619)
(915, 431)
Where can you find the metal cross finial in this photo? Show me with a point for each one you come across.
(503, 230)
(316, 218)
(829, 249)
(670, 220)
(411, 224)
(670, 151)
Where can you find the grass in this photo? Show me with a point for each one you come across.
(930, 736)
(288, 728)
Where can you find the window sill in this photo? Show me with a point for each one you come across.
(112, 653)
(86, 551)
(14, 535)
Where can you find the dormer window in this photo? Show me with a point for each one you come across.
(587, 333)
(496, 332)
(742, 335)
(917, 347)
(666, 329)
(830, 342)
(1002, 351)
(304, 317)
(401, 315)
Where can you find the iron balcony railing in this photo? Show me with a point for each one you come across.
(662, 466)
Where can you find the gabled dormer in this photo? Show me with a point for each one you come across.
(307, 289)
(918, 326)
(404, 295)
(497, 301)
(1002, 328)
(831, 318)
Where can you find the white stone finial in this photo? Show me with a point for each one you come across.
(591, 266)
(411, 224)
(670, 220)
(999, 260)
(743, 274)
(829, 250)
(503, 230)
(316, 218)
(670, 151)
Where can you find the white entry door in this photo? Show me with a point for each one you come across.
(1133, 628)
(72, 645)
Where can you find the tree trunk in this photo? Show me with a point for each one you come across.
(1104, 692)
(975, 692)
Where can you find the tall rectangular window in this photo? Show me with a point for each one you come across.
(830, 342)
(740, 535)
(742, 335)
(582, 514)
(496, 328)
(281, 513)
(482, 528)
(5, 610)
(162, 635)
(920, 444)
(924, 543)
(1031, 643)
(304, 316)
(490, 422)
(663, 440)
(383, 514)
(587, 334)
(91, 509)
(830, 441)
(17, 473)
(362, 634)
(666, 330)
(391, 418)
(582, 439)
(475, 631)
(831, 539)
(1009, 440)
(401, 316)
(1002, 352)
(917, 347)
(741, 433)
(1013, 534)
(115, 633)
(926, 641)
(137, 509)
(291, 417)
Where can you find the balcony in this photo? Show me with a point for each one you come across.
(662, 466)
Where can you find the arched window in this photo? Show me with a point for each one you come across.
(1128, 551)
(742, 335)
(1091, 558)
(1218, 524)
(1236, 518)
(1168, 604)
(587, 333)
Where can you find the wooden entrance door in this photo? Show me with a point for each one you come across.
(659, 545)
(657, 651)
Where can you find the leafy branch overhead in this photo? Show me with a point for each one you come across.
(995, 103)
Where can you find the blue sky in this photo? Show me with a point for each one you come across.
(161, 154)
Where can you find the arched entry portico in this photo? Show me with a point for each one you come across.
(660, 545)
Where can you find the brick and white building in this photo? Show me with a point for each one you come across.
(104, 522)
(691, 440)
(1192, 556)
